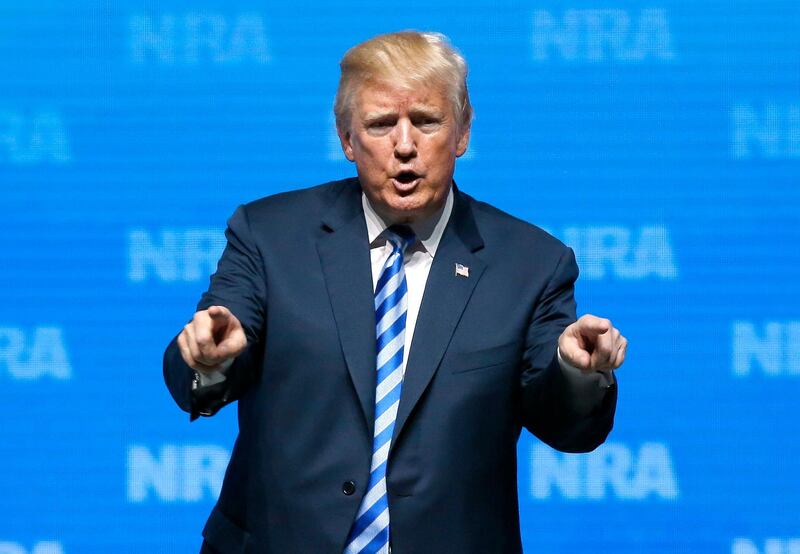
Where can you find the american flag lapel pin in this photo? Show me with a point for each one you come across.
(462, 270)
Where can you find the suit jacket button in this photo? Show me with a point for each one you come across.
(348, 487)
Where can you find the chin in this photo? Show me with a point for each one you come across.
(407, 213)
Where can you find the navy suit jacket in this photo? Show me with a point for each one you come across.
(296, 272)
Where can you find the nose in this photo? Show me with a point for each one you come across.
(405, 145)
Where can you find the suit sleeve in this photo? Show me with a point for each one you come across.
(239, 284)
(571, 413)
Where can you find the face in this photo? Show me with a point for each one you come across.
(404, 143)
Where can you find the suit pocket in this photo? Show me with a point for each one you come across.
(224, 535)
(463, 362)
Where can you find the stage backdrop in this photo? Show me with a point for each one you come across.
(661, 140)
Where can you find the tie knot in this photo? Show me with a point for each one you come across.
(401, 236)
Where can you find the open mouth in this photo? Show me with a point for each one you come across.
(406, 177)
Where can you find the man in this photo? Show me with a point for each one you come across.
(387, 338)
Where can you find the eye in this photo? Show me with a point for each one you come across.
(379, 126)
(428, 123)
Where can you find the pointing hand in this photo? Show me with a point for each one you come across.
(592, 344)
(212, 340)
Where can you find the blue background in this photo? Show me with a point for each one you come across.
(686, 120)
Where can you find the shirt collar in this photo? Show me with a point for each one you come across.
(429, 231)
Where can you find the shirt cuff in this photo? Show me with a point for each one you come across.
(206, 379)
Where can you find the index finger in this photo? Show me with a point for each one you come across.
(218, 312)
(593, 325)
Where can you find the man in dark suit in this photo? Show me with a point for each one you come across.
(387, 337)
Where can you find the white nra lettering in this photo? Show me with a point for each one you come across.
(774, 348)
(35, 138)
(177, 255)
(769, 132)
(28, 356)
(612, 470)
(41, 547)
(596, 35)
(178, 473)
(771, 546)
(621, 252)
(198, 37)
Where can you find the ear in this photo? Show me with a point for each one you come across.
(347, 145)
(463, 142)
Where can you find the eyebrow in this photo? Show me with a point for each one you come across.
(425, 110)
(372, 116)
(420, 109)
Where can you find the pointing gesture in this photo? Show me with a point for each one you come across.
(592, 344)
(212, 340)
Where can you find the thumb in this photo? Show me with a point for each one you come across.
(232, 346)
(578, 358)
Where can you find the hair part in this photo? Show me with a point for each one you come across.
(408, 59)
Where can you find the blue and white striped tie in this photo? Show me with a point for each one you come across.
(370, 531)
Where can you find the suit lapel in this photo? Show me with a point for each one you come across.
(446, 295)
(344, 255)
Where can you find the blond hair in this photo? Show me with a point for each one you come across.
(408, 59)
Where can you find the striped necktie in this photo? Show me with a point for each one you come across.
(370, 531)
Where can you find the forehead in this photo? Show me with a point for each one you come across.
(387, 97)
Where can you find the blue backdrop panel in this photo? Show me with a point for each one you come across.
(661, 141)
